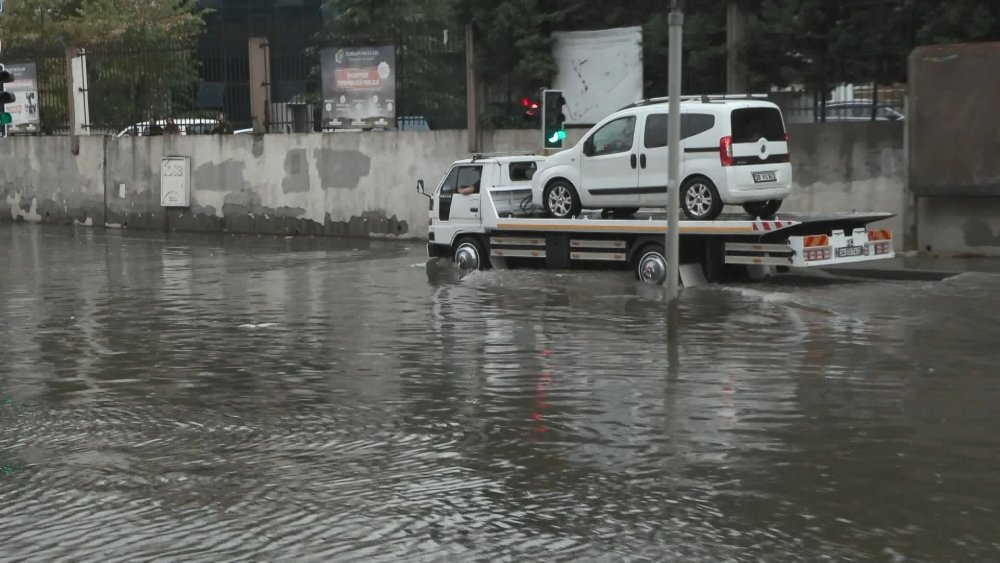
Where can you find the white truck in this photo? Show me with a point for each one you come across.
(482, 215)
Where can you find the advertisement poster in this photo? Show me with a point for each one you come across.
(24, 110)
(359, 87)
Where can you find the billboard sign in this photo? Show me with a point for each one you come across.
(359, 87)
(599, 72)
(24, 110)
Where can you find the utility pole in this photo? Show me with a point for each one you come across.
(674, 150)
(736, 76)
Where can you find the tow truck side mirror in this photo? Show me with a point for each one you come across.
(421, 191)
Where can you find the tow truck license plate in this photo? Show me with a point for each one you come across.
(760, 177)
(849, 251)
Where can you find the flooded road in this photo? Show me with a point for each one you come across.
(206, 398)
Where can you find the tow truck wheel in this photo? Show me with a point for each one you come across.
(762, 209)
(700, 199)
(469, 255)
(651, 265)
(561, 200)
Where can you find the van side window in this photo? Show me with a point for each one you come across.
(614, 137)
(692, 124)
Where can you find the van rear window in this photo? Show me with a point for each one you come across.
(750, 124)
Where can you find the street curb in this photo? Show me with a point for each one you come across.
(886, 274)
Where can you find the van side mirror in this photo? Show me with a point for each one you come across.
(588, 147)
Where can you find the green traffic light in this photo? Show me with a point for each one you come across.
(5, 118)
(557, 136)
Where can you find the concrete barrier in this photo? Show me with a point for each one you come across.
(356, 184)
(849, 166)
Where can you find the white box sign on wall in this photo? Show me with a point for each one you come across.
(175, 181)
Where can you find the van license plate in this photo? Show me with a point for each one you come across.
(849, 251)
(761, 177)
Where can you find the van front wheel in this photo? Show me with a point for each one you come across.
(561, 200)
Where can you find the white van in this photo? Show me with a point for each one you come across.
(735, 152)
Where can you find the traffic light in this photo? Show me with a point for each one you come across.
(553, 118)
(530, 108)
(5, 98)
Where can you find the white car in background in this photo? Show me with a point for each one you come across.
(735, 151)
(186, 125)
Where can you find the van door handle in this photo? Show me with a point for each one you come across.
(642, 160)
(632, 160)
(474, 209)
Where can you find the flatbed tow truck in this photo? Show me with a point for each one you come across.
(498, 226)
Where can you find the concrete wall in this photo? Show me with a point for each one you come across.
(962, 226)
(42, 181)
(358, 184)
(334, 184)
(954, 120)
(849, 166)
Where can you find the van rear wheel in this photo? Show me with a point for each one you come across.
(762, 209)
(700, 199)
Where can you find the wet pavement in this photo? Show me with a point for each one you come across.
(207, 398)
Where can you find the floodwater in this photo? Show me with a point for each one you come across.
(209, 398)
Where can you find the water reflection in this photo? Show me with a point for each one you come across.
(242, 398)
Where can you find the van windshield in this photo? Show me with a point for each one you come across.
(750, 124)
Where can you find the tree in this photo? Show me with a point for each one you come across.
(430, 61)
(140, 58)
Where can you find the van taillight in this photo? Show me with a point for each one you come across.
(788, 149)
(726, 151)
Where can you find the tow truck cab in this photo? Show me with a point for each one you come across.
(456, 204)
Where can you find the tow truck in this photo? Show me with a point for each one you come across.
(482, 216)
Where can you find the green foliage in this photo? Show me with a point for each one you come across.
(140, 53)
(47, 24)
(819, 43)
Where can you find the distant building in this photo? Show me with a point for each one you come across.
(289, 25)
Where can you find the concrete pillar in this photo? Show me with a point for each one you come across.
(260, 83)
(736, 73)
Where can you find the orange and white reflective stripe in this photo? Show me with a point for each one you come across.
(816, 240)
(879, 234)
(768, 226)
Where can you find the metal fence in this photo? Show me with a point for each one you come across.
(843, 103)
(210, 83)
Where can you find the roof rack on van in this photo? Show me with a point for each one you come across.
(482, 155)
(703, 98)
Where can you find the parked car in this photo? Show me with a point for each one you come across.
(185, 125)
(735, 151)
(859, 110)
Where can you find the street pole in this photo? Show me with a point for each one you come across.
(674, 150)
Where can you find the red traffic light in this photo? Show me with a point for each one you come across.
(530, 107)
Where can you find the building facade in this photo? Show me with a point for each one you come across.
(290, 27)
